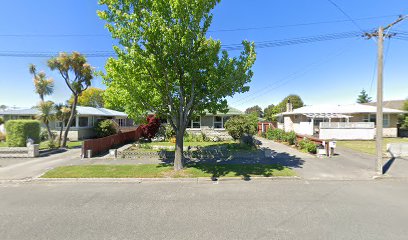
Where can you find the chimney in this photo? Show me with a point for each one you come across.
(289, 106)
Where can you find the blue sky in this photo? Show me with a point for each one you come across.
(320, 72)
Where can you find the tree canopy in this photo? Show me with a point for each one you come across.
(257, 110)
(363, 97)
(166, 64)
(91, 97)
(77, 74)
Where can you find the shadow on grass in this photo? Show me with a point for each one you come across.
(233, 158)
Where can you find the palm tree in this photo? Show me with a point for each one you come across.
(46, 115)
(43, 87)
(62, 114)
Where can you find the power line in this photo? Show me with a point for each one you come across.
(28, 35)
(229, 47)
(266, 89)
(345, 14)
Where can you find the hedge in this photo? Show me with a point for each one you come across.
(18, 131)
(281, 136)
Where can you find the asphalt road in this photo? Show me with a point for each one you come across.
(273, 209)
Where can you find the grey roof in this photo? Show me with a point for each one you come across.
(85, 111)
(231, 111)
(22, 112)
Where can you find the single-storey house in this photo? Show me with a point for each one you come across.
(83, 124)
(213, 124)
(352, 121)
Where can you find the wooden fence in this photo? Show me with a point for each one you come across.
(264, 126)
(101, 145)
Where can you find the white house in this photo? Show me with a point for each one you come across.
(352, 121)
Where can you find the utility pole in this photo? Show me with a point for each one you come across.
(379, 116)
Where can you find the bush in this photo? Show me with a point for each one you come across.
(199, 137)
(281, 135)
(18, 131)
(307, 145)
(239, 126)
(1, 121)
(290, 137)
(169, 132)
(276, 134)
(105, 128)
(151, 128)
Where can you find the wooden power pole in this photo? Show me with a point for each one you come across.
(379, 116)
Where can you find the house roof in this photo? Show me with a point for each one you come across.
(231, 111)
(339, 109)
(394, 104)
(85, 111)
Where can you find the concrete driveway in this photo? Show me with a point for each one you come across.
(26, 168)
(347, 164)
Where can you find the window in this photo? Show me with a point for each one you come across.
(83, 122)
(58, 124)
(372, 118)
(195, 123)
(220, 121)
(122, 122)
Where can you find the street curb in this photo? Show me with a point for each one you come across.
(141, 180)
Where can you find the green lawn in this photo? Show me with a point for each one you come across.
(369, 146)
(166, 171)
(3, 144)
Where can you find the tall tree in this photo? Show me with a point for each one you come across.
(43, 87)
(363, 97)
(270, 111)
(257, 110)
(77, 74)
(295, 100)
(166, 64)
(91, 97)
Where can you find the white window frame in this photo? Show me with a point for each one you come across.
(222, 122)
(190, 126)
(121, 122)
(88, 122)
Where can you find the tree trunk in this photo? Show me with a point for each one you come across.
(50, 138)
(60, 134)
(179, 158)
(71, 119)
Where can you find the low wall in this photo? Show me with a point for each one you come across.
(101, 145)
(30, 151)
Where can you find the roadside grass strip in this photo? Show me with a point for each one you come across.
(166, 171)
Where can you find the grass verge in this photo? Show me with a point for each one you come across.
(166, 171)
(369, 146)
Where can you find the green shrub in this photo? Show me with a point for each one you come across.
(275, 134)
(105, 128)
(307, 145)
(1, 121)
(290, 137)
(169, 132)
(239, 126)
(195, 137)
(18, 131)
